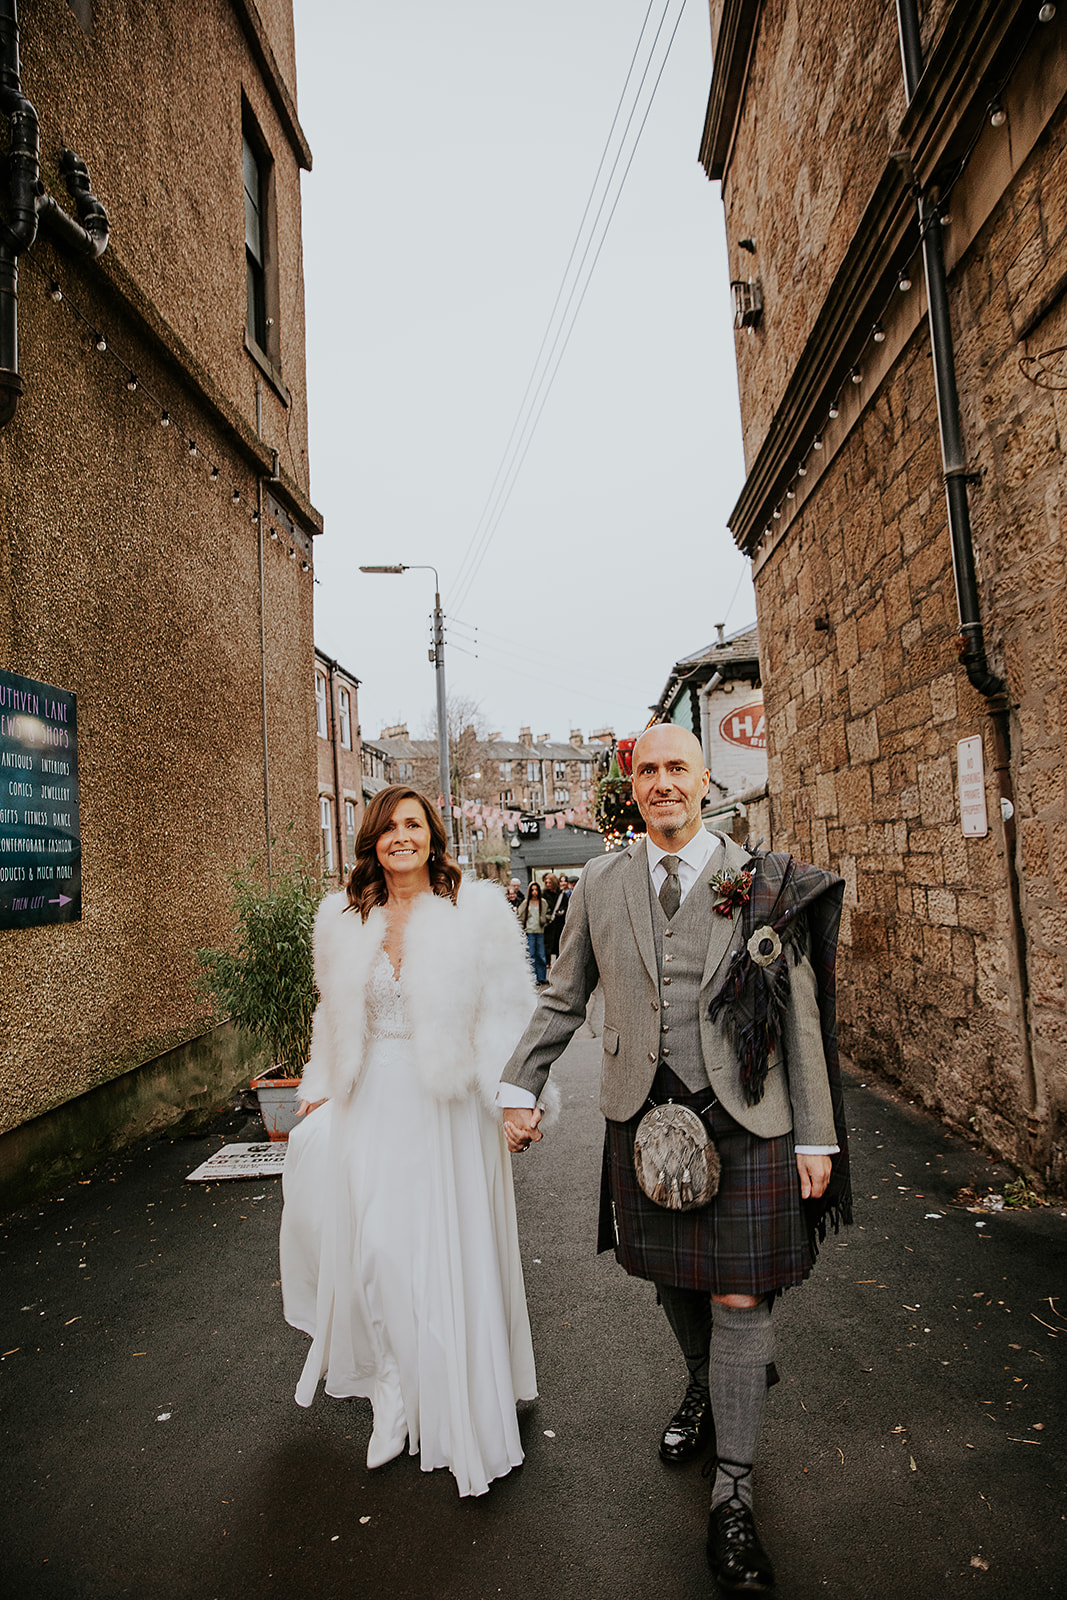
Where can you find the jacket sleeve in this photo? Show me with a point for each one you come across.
(805, 1060)
(506, 995)
(561, 1007)
(320, 1077)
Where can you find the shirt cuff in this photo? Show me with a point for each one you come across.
(508, 1096)
(816, 1149)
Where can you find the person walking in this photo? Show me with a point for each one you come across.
(731, 1021)
(399, 1247)
(534, 920)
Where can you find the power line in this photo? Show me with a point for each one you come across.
(533, 405)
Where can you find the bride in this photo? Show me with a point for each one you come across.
(399, 1248)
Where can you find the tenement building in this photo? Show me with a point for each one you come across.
(894, 181)
(340, 766)
(157, 722)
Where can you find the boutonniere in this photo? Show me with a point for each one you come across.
(731, 890)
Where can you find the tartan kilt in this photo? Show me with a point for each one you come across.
(750, 1239)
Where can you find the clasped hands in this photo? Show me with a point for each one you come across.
(520, 1127)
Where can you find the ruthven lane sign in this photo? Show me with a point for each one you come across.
(40, 828)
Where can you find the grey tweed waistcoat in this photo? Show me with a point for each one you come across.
(681, 950)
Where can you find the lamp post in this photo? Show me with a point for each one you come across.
(437, 656)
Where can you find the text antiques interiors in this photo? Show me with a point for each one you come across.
(40, 831)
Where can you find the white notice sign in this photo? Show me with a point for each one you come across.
(971, 769)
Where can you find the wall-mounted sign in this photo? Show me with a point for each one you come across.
(970, 766)
(529, 828)
(746, 726)
(40, 829)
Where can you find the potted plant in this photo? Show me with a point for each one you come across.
(265, 982)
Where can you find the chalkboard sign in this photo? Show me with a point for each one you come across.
(40, 828)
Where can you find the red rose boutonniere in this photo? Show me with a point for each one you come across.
(732, 889)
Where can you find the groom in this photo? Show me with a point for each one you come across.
(650, 925)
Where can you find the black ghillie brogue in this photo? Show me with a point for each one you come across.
(739, 1564)
(691, 1429)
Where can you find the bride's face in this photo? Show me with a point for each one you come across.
(403, 848)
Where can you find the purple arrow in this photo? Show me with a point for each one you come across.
(64, 900)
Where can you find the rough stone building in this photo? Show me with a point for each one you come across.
(340, 766)
(155, 533)
(924, 764)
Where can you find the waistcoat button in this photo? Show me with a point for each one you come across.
(652, 1055)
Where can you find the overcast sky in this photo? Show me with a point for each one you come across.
(454, 151)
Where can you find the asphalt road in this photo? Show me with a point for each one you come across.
(914, 1448)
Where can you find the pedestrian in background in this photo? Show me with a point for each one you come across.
(534, 919)
(514, 896)
(554, 911)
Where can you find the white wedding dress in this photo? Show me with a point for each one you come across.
(400, 1257)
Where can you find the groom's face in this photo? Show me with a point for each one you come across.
(669, 782)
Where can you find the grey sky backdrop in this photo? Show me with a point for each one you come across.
(454, 151)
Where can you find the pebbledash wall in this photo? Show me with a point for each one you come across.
(130, 563)
(952, 965)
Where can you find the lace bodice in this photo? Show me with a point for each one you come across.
(386, 1013)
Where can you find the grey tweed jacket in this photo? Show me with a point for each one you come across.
(608, 938)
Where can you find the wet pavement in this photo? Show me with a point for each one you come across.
(914, 1448)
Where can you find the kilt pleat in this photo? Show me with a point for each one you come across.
(750, 1239)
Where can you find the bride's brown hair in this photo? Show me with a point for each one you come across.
(366, 882)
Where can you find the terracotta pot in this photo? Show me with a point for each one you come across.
(279, 1101)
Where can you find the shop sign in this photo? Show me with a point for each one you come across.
(745, 726)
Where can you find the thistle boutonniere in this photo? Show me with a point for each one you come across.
(731, 889)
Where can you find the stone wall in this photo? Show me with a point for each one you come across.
(128, 575)
(864, 712)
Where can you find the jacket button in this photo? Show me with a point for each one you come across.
(667, 1052)
(655, 1005)
(668, 933)
(666, 1027)
(666, 980)
(652, 1055)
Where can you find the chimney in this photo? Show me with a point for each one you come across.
(543, 738)
(576, 737)
(720, 629)
(602, 736)
(525, 736)
(398, 731)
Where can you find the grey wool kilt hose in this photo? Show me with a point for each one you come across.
(750, 1239)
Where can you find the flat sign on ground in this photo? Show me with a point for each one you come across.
(241, 1161)
(40, 827)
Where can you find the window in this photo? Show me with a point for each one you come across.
(505, 797)
(326, 829)
(533, 771)
(350, 829)
(561, 771)
(587, 771)
(505, 772)
(322, 725)
(564, 795)
(405, 771)
(255, 244)
(345, 711)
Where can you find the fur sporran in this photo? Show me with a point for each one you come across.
(675, 1158)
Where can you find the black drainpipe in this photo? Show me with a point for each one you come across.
(26, 204)
(957, 477)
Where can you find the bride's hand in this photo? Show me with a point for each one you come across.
(308, 1105)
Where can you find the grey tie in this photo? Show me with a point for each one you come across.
(670, 893)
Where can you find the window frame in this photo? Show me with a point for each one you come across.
(322, 722)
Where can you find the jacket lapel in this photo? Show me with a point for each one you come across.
(636, 891)
(723, 928)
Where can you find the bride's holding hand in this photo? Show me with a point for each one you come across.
(399, 1246)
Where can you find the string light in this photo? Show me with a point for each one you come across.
(905, 283)
(878, 333)
(790, 493)
(98, 341)
(777, 513)
(856, 375)
(997, 114)
(802, 470)
(1046, 13)
(816, 443)
(835, 406)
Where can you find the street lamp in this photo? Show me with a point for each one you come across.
(437, 656)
